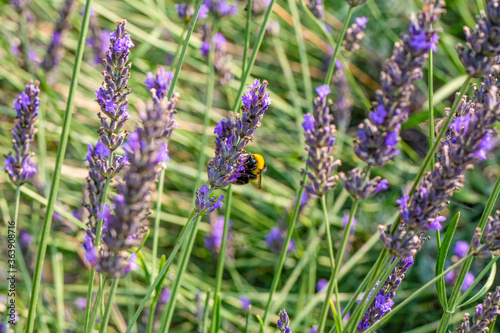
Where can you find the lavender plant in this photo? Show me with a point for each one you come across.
(53, 54)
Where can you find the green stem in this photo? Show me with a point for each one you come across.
(156, 227)
(431, 104)
(63, 142)
(95, 308)
(331, 66)
(184, 49)
(304, 63)
(204, 326)
(12, 266)
(256, 48)
(169, 311)
(178, 48)
(389, 315)
(222, 257)
(164, 269)
(284, 250)
(109, 305)
(247, 37)
(332, 283)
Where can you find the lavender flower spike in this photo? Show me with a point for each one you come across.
(320, 137)
(19, 165)
(469, 138)
(383, 301)
(483, 44)
(147, 150)
(284, 322)
(491, 237)
(484, 315)
(317, 8)
(379, 134)
(112, 96)
(186, 12)
(222, 60)
(161, 82)
(355, 34)
(220, 8)
(53, 55)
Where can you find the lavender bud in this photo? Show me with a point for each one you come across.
(484, 315)
(360, 188)
(483, 43)
(245, 303)
(54, 50)
(186, 12)
(259, 7)
(320, 137)
(379, 134)
(317, 8)
(220, 8)
(19, 165)
(213, 240)
(491, 237)
(222, 60)
(355, 34)
(343, 105)
(161, 82)
(284, 322)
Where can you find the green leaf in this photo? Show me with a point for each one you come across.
(443, 253)
(492, 264)
(144, 267)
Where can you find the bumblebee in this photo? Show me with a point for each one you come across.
(254, 164)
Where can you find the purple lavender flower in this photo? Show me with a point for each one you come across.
(81, 303)
(314, 329)
(220, 8)
(320, 137)
(276, 238)
(54, 50)
(161, 82)
(234, 133)
(491, 236)
(379, 134)
(259, 7)
(213, 240)
(484, 315)
(205, 48)
(383, 301)
(284, 322)
(457, 154)
(112, 96)
(19, 165)
(317, 8)
(361, 188)
(222, 60)
(146, 151)
(206, 33)
(321, 284)
(461, 249)
(482, 45)
(345, 221)
(354, 34)
(245, 303)
(186, 12)
(206, 206)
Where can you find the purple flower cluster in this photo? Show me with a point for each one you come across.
(112, 96)
(354, 34)
(461, 249)
(206, 32)
(284, 322)
(186, 12)
(19, 165)
(468, 139)
(483, 44)
(146, 150)
(317, 8)
(245, 303)
(233, 135)
(213, 240)
(54, 49)
(484, 315)
(161, 82)
(491, 236)
(383, 301)
(276, 238)
(222, 60)
(361, 188)
(320, 137)
(379, 134)
(220, 8)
